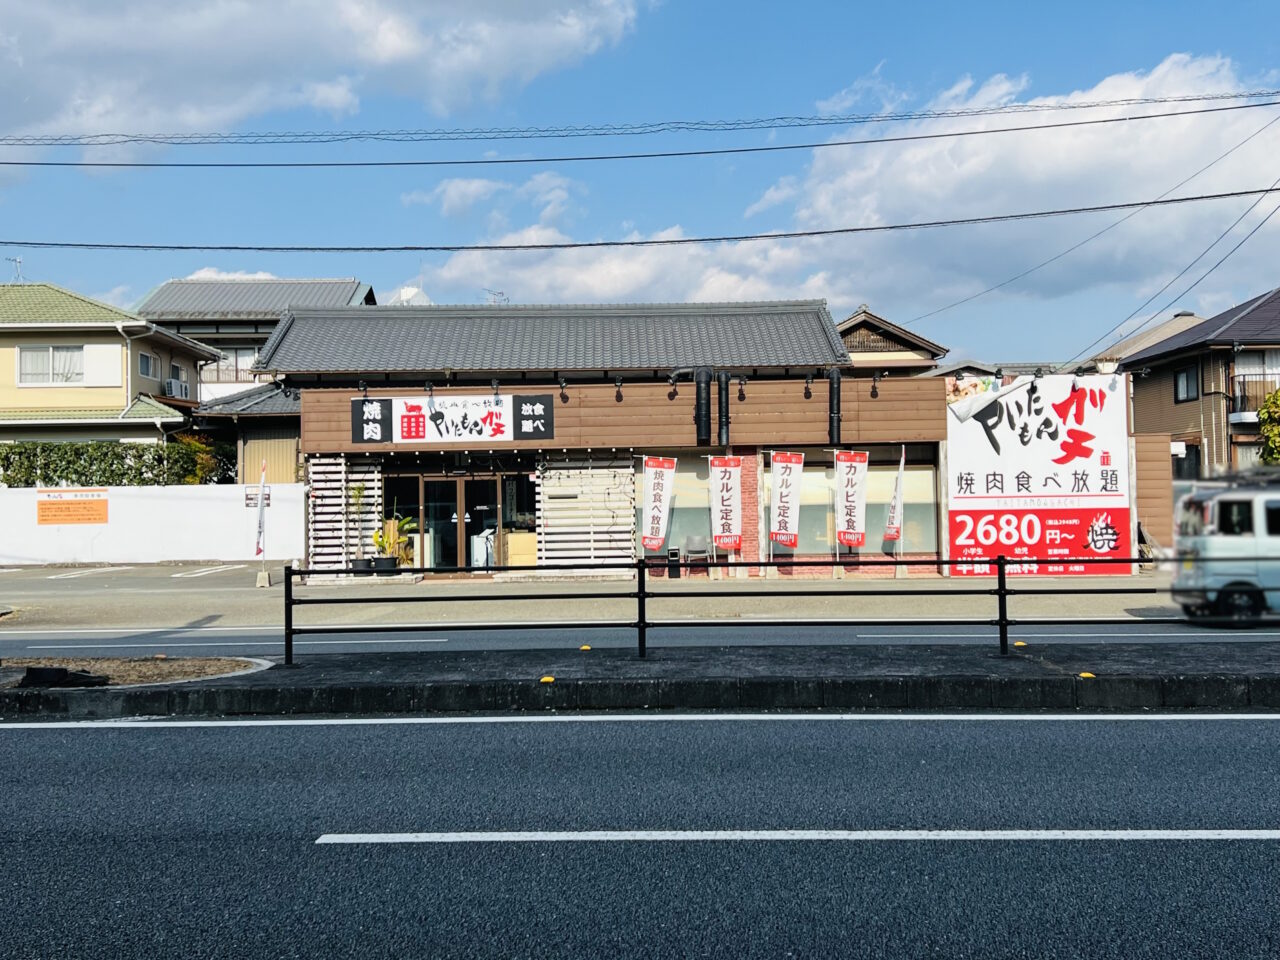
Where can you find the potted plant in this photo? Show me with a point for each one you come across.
(361, 564)
(389, 541)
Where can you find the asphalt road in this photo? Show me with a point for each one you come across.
(133, 840)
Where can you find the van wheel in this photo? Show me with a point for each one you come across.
(1239, 602)
(1196, 611)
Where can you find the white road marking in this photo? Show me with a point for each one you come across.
(84, 573)
(787, 836)
(11, 570)
(240, 643)
(208, 570)
(276, 628)
(160, 724)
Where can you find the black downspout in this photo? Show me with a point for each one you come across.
(722, 395)
(702, 405)
(833, 406)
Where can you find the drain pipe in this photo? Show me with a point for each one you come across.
(722, 395)
(128, 367)
(833, 406)
(702, 405)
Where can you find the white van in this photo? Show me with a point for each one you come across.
(1228, 552)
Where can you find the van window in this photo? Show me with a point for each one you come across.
(1192, 518)
(1235, 517)
(1273, 518)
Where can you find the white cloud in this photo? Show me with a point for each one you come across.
(117, 296)
(1053, 311)
(213, 273)
(84, 66)
(456, 195)
(549, 192)
(871, 85)
(782, 191)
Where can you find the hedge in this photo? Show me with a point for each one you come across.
(184, 459)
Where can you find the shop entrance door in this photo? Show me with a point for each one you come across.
(461, 522)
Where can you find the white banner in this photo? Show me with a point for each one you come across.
(893, 523)
(659, 487)
(452, 419)
(262, 511)
(786, 471)
(726, 502)
(851, 497)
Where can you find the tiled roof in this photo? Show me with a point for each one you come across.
(142, 408)
(864, 316)
(1134, 342)
(267, 400)
(1253, 323)
(47, 303)
(246, 299)
(496, 338)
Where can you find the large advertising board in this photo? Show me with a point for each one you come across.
(1038, 470)
(453, 420)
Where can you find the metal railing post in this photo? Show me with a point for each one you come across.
(288, 615)
(1002, 598)
(642, 624)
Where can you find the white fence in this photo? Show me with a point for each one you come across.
(149, 524)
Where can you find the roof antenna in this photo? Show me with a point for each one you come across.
(17, 268)
(496, 296)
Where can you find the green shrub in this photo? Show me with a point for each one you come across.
(185, 459)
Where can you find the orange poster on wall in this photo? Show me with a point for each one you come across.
(71, 506)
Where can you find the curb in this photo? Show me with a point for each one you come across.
(979, 693)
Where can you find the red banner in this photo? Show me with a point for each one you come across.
(1038, 541)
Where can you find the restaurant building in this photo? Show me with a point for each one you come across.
(516, 435)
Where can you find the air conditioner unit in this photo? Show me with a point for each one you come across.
(177, 388)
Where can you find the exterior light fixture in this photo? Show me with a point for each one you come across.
(808, 387)
(1236, 346)
(1144, 372)
(959, 375)
(363, 388)
(429, 387)
(1108, 366)
(875, 390)
(999, 374)
(1039, 372)
(742, 388)
(494, 384)
(617, 386)
(564, 397)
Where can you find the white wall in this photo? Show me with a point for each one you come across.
(153, 524)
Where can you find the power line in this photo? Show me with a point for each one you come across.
(1181, 273)
(1076, 246)
(596, 130)
(601, 244)
(582, 158)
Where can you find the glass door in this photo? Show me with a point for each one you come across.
(480, 521)
(440, 523)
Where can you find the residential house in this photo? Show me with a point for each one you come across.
(72, 368)
(873, 341)
(1203, 384)
(238, 315)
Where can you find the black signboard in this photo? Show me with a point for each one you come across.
(534, 415)
(371, 421)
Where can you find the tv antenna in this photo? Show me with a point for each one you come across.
(496, 296)
(17, 268)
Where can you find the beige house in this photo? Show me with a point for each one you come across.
(72, 368)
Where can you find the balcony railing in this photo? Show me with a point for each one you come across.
(1249, 390)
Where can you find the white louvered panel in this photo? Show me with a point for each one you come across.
(333, 527)
(586, 512)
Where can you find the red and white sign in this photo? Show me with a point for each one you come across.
(452, 420)
(1038, 470)
(851, 497)
(786, 471)
(893, 522)
(726, 502)
(659, 486)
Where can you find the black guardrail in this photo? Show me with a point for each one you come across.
(639, 590)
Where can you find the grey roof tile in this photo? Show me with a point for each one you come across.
(266, 400)
(246, 299)
(555, 338)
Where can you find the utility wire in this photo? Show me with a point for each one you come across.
(596, 130)
(1181, 273)
(581, 158)
(1076, 246)
(601, 244)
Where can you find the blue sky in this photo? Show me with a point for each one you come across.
(163, 66)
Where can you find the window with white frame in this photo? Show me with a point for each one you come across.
(149, 366)
(177, 372)
(234, 366)
(50, 366)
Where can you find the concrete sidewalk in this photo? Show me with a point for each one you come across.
(1129, 677)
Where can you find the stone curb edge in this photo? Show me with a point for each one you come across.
(1068, 693)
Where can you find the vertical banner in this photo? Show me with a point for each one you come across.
(659, 483)
(726, 502)
(262, 510)
(786, 471)
(851, 497)
(893, 523)
(1038, 471)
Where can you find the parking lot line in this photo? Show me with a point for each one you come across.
(84, 573)
(208, 570)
